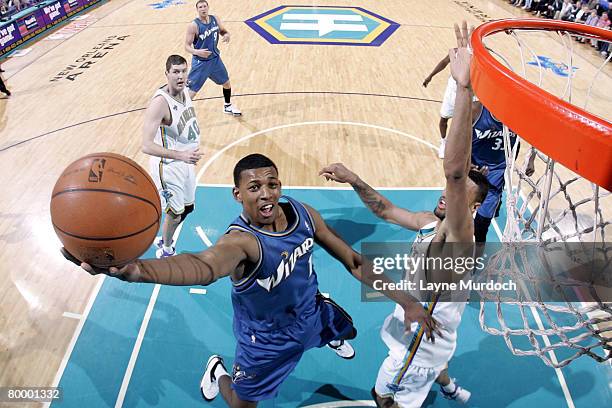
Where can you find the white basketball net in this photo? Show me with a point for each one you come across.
(550, 206)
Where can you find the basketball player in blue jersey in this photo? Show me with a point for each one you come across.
(413, 363)
(171, 136)
(278, 310)
(488, 153)
(201, 41)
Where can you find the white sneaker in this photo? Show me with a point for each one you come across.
(162, 253)
(461, 395)
(159, 242)
(442, 148)
(231, 110)
(209, 386)
(342, 348)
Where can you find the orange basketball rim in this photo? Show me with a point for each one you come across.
(577, 139)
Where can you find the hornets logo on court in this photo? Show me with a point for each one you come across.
(286, 266)
(324, 25)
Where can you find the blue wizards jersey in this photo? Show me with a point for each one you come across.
(208, 37)
(282, 287)
(488, 141)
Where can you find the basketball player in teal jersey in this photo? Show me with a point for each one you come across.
(201, 41)
(171, 136)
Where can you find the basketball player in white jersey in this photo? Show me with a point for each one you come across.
(448, 102)
(414, 363)
(171, 135)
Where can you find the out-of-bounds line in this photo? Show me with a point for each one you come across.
(290, 125)
(196, 291)
(141, 333)
(76, 334)
(552, 355)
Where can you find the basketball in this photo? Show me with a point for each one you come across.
(105, 209)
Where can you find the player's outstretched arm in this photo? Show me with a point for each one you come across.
(155, 115)
(201, 268)
(437, 69)
(336, 247)
(376, 202)
(457, 159)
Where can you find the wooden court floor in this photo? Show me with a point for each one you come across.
(304, 106)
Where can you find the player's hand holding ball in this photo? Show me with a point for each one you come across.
(105, 209)
(129, 272)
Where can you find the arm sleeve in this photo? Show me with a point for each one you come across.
(181, 270)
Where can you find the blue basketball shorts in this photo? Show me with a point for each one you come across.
(490, 205)
(265, 359)
(202, 70)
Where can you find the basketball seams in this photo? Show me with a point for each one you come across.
(107, 238)
(103, 190)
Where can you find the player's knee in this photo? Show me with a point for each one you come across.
(481, 227)
(227, 85)
(188, 210)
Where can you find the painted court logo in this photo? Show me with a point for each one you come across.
(165, 4)
(323, 25)
(558, 68)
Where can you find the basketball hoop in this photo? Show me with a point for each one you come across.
(577, 139)
(566, 200)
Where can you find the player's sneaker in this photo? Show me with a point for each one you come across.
(231, 110)
(161, 253)
(461, 395)
(159, 242)
(209, 386)
(342, 348)
(441, 148)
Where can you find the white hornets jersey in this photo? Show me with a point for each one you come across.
(183, 133)
(413, 347)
